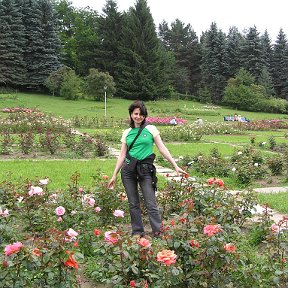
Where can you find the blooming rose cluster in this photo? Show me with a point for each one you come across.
(72, 235)
(35, 190)
(71, 261)
(111, 237)
(13, 248)
(60, 211)
(143, 242)
(231, 248)
(88, 200)
(211, 230)
(215, 181)
(118, 213)
(167, 257)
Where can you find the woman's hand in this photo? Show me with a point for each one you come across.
(112, 183)
(179, 170)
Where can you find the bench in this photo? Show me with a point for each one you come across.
(231, 118)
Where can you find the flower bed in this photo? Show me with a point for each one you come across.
(204, 242)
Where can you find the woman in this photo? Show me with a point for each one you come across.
(143, 172)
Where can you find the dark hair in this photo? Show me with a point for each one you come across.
(143, 111)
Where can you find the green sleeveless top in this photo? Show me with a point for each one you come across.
(143, 147)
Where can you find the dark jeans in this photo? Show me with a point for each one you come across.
(130, 179)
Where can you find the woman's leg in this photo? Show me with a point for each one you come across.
(130, 183)
(149, 196)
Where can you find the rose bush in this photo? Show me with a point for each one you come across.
(205, 239)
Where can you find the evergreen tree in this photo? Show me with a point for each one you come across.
(140, 62)
(252, 53)
(110, 32)
(265, 80)
(183, 42)
(50, 38)
(164, 34)
(12, 43)
(214, 65)
(267, 51)
(234, 42)
(41, 52)
(279, 65)
(34, 51)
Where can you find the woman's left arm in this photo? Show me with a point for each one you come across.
(166, 154)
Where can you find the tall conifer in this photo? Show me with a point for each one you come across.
(252, 53)
(280, 64)
(12, 43)
(140, 62)
(214, 62)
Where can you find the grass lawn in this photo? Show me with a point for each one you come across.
(192, 149)
(58, 171)
(118, 108)
(277, 201)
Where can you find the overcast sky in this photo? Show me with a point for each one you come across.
(264, 14)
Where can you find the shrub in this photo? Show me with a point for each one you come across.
(70, 87)
(26, 142)
(276, 164)
(98, 83)
(6, 144)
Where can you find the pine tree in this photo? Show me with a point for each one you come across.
(110, 32)
(183, 42)
(267, 51)
(279, 65)
(252, 53)
(12, 43)
(42, 51)
(234, 42)
(140, 62)
(50, 38)
(214, 65)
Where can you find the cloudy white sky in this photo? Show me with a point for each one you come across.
(264, 14)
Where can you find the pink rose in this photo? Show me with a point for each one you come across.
(275, 228)
(211, 230)
(111, 237)
(60, 211)
(60, 219)
(81, 189)
(91, 201)
(13, 248)
(97, 209)
(35, 190)
(231, 248)
(72, 233)
(118, 213)
(144, 242)
(168, 257)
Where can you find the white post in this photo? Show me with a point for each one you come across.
(105, 100)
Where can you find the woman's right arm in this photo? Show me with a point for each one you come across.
(118, 165)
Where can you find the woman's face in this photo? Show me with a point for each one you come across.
(137, 117)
